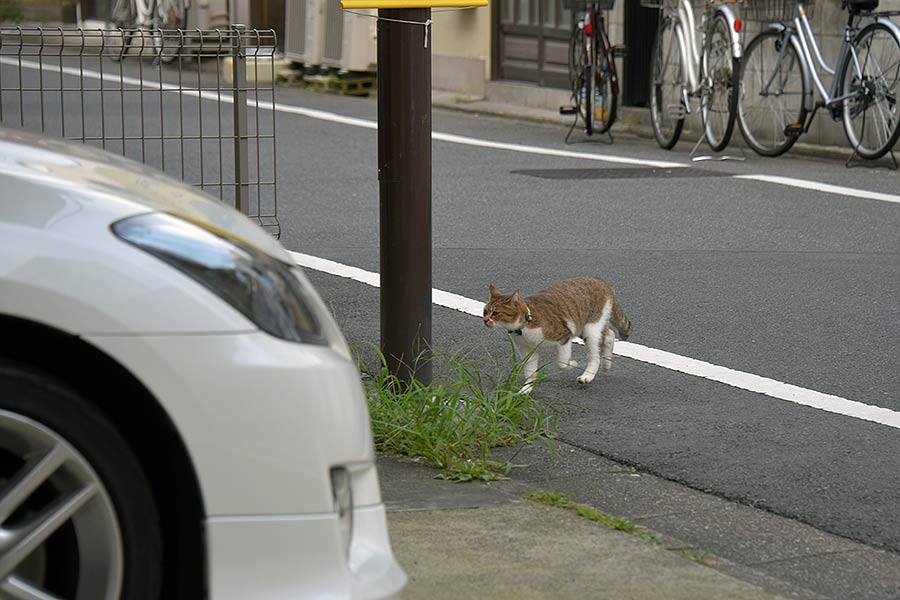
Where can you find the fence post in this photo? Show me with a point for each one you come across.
(239, 94)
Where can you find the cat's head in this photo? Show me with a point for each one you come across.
(504, 311)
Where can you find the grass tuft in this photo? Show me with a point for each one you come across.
(560, 500)
(453, 422)
(585, 510)
(698, 556)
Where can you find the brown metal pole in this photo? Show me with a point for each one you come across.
(404, 176)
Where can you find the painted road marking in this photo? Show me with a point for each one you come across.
(341, 119)
(660, 358)
(738, 379)
(822, 187)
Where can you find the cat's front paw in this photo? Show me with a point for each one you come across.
(526, 389)
(586, 378)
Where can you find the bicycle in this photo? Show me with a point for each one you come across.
(160, 17)
(592, 68)
(778, 67)
(680, 71)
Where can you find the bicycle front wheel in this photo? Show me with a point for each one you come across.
(667, 84)
(771, 94)
(869, 80)
(576, 60)
(605, 102)
(170, 16)
(718, 93)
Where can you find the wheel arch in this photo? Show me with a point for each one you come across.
(145, 426)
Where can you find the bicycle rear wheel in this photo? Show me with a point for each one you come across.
(667, 83)
(871, 81)
(586, 106)
(771, 94)
(718, 95)
(605, 102)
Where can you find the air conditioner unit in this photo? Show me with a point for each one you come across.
(350, 39)
(304, 35)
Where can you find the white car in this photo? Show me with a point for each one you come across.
(179, 413)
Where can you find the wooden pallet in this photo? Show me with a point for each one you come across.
(353, 86)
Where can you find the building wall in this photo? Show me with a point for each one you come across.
(40, 10)
(461, 52)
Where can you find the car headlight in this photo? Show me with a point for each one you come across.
(267, 291)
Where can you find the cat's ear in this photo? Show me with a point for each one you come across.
(515, 296)
(494, 291)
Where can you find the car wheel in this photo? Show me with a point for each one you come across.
(77, 519)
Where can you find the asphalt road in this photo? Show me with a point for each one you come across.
(792, 284)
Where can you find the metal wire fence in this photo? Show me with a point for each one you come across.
(196, 104)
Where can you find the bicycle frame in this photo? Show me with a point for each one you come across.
(801, 36)
(685, 31)
(598, 32)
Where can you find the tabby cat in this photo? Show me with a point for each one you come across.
(580, 306)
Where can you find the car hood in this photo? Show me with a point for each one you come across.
(70, 180)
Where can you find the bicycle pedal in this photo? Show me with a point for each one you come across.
(676, 111)
(568, 110)
(793, 130)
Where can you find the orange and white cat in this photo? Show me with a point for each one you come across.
(580, 306)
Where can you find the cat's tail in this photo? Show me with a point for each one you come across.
(621, 322)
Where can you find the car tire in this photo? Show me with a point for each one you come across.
(70, 480)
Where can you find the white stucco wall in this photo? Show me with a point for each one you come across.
(461, 55)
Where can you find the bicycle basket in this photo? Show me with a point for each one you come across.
(583, 4)
(771, 11)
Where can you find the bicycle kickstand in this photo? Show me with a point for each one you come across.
(711, 156)
(849, 164)
(573, 110)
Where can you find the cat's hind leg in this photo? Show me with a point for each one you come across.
(564, 356)
(606, 349)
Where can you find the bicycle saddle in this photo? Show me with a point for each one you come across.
(858, 6)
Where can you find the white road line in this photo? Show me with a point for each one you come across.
(822, 187)
(469, 141)
(355, 122)
(660, 358)
(322, 115)
(738, 379)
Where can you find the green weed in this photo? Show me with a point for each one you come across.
(698, 556)
(453, 422)
(560, 500)
(585, 510)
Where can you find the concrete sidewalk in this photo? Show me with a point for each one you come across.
(487, 540)
(471, 540)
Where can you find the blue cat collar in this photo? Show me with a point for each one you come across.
(527, 320)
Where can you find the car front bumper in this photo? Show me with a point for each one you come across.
(264, 421)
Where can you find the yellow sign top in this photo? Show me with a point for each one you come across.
(410, 3)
